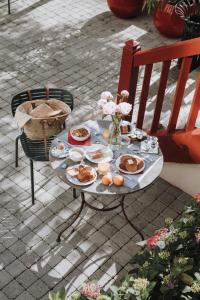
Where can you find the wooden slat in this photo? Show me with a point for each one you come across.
(165, 53)
(194, 109)
(180, 88)
(144, 95)
(128, 73)
(160, 95)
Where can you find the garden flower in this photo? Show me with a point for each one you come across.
(76, 295)
(125, 93)
(164, 255)
(169, 282)
(109, 108)
(151, 242)
(140, 284)
(168, 221)
(197, 197)
(91, 290)
(124, 108)
(101, 103)
(106, 95)
(195, 288)
(162, 230)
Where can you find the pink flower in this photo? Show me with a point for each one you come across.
(91, 290)
(106, 95)
(197, 197)
(152, 241)
(101, 103)
(124, 108)
(109, 108)
(125, 93)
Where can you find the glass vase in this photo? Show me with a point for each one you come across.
(115, 133)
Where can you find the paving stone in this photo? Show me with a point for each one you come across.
(13, 289)
(25, 295)
(64, 267)
(15, 268)
(5, 278)
(38, 289)
(27, 278)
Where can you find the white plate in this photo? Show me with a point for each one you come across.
(75, 181)
(126, 172)
(59, 153)
(108, 154)
(80, 139)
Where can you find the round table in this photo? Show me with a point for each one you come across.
(134, 183)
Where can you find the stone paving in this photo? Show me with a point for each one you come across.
(74, 45)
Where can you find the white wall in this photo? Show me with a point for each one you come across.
(184, 176)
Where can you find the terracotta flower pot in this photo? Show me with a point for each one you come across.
(167, 21)
(126, 8)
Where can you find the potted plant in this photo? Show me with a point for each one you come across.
(126, 8)
(165, 18)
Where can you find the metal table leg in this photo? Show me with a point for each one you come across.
(75, 217)
(126, 217)
(9, 10)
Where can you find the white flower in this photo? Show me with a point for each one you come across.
(101, 103)
(125, 93)
(109, 108)
(124, 108)
(106, 95)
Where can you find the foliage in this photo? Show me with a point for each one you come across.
(59, 295)
(167, 267)
(150, 5)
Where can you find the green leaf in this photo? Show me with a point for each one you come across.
(62, 293)
(52, 296)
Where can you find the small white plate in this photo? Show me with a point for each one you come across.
(59, 153)
(80, 151)
(80, 139)
(107, 157)
(75, 181)
(117, 163)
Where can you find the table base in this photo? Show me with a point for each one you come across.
(84, 203)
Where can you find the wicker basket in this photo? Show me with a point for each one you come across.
(41, 128)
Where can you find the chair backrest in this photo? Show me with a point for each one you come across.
(132, 59)
(43, 93)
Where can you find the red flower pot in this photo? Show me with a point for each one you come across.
(125, 8)
(167, 21)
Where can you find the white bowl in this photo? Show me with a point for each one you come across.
(80, 139)
(73, 156)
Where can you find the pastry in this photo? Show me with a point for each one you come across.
(95, 154)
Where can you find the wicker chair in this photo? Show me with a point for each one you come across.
(35, 149)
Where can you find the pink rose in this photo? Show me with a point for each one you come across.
(197, 197)
(106, 95)
(124, 108)
(109, 108)
(125, 93)
(101, 103)
(91, 290)
(152, 241)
